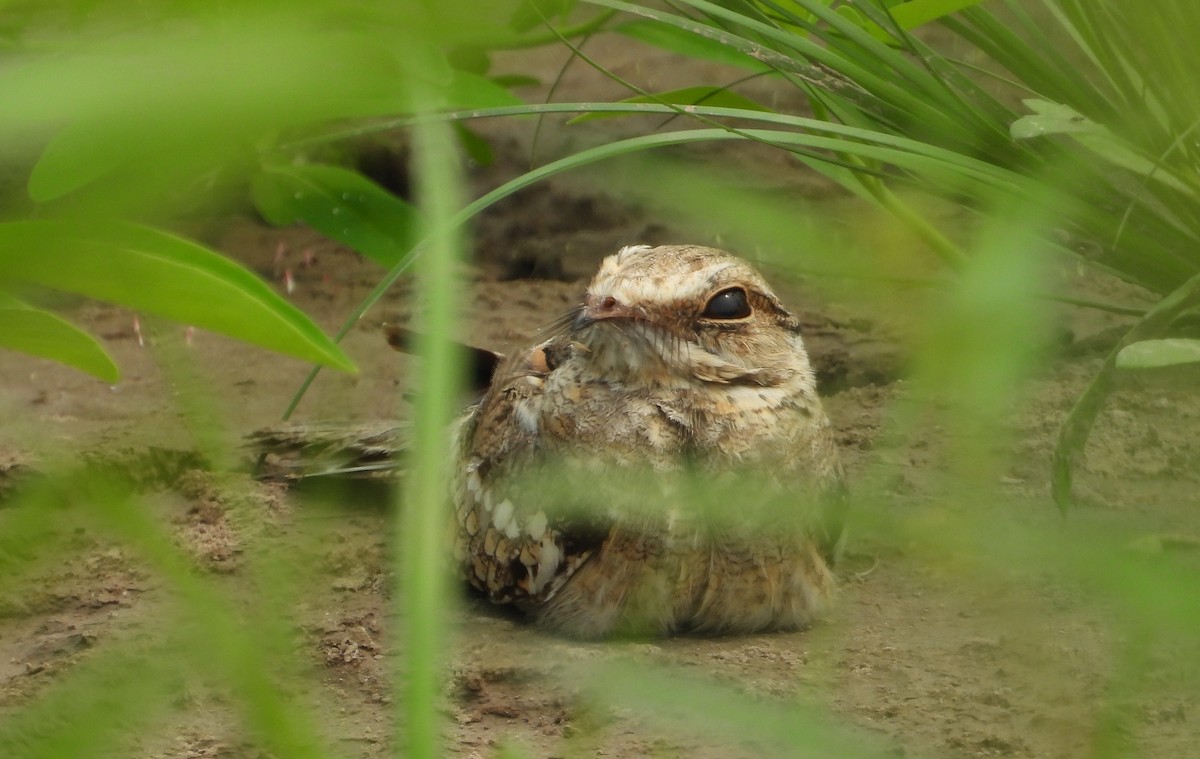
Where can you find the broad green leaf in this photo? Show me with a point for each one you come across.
(41, 333)
(712, 97)
(159, 273)
(78, 155)
(1149, 354)
(917, 13)
(340, 204)
(685, 43)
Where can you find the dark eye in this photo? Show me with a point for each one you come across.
(728, 304)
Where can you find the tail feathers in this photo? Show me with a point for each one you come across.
(297, 451)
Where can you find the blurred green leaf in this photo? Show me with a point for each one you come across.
(159, 273)
(473, 60)
(76, 156)
(340, 204)
(686, 43)
(161, 105)
(537, 12)
(475, 145)
(510, 81)
(41, 333)
(1149, 354)
(713, 97)
(468, 90)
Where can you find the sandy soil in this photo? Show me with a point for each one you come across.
(930, 650)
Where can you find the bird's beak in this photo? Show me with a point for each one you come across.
(598, 308)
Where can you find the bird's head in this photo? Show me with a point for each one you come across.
(685, 314)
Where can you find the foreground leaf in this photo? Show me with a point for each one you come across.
(40, 333)
(340, 204)
(152, 271)
(1149, 354)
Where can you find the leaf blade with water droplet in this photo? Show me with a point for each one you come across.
(340, 204)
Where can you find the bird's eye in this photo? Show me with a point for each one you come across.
(728, 304)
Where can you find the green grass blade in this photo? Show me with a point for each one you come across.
(423, 517)
(340, 204)
(717, 97)
(152, 271)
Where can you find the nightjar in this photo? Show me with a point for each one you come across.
(661, 463)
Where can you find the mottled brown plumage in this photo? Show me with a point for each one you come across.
(661, 463)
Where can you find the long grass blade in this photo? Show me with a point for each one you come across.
(421, 526)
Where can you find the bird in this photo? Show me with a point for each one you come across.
(658, 463)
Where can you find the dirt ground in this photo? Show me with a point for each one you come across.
(930, 653)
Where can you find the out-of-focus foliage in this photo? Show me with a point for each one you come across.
(118, 113)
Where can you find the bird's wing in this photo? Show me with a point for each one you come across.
(510, 540)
